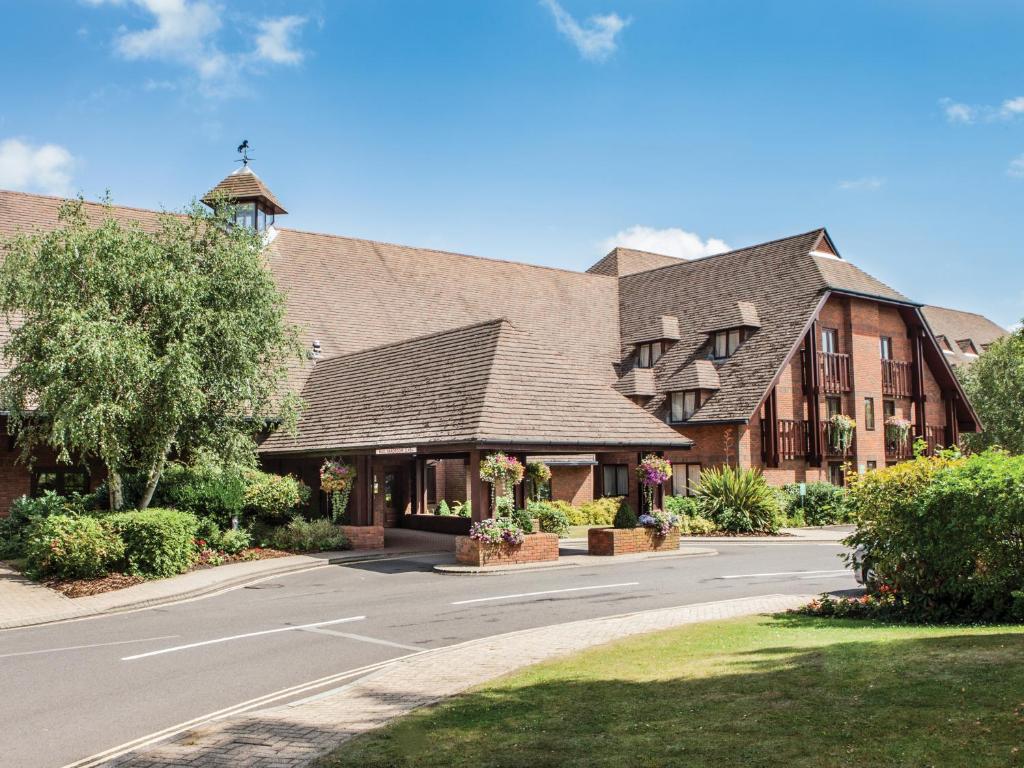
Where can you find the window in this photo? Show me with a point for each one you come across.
(245, 215)
(685, 479)
(727, 342)
(888, 408)
(872, 465)
(684, 404)
(869, 413)
(64, 482)
(836, 476)
(648, 354)
(833, 406)
(885, 347)
(616, 480)
(829, 340)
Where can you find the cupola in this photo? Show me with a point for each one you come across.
(255, 205)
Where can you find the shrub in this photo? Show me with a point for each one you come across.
(738, 500)
(944, 536)
(550, 518)
(68, 547)
(522, 518)
(310, 536)
(272, 498)
(823, 504)
(204, 489)
(575, 515)
(24, 510)
(234, 541)
(684, 506)
(600, 511)
(462, 509)
(625, 517)
(208, 532)
(157, 542)
(442, 508)
(696, 526)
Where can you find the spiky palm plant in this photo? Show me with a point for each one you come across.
(738, 500)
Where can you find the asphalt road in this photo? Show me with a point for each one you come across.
(71, 690)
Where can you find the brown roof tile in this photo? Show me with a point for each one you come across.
(958, 326)
(699, 374)
(484, 383)
(627, 261)
(244, 183)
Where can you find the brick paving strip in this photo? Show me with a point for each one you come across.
(296, 734)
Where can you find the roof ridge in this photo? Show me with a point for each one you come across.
(725, 253)
(958, 311)
(414, 339)
(490, 259)
(66, 199)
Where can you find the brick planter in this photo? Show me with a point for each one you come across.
(628, 541)
(364, 536)
(536, 548)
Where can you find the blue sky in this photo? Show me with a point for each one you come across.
(543, 131)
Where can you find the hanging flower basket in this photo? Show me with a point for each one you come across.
(337, 478)
(506, 471)
(897, 430)
(840, 432)
(539, 475)
(652, 472)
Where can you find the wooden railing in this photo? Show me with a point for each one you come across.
(935, 437)
(835, 372)
(792, 438)
(899, 449)
(897, 378)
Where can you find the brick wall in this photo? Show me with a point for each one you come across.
(624, 541)
(365, 536)
(572, 484)
(536, 548)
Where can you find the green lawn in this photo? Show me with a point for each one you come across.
(786, 691)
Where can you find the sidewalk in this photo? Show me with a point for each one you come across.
(294, 735)
(25, 603)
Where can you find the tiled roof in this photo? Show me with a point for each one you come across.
(840, 275)
(958, 326)
(739, 314)
(638, 382)
(627, 261)
(661, 328)
(244, 183)
(485, 383)
(700, 374)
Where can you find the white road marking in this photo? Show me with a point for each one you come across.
(241, 637)
(80, 647)
(545, 592)
(786, 573)
(362, 638)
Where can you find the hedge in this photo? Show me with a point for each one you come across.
(157, 542)
(71, 547)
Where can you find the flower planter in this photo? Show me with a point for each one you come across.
(364, 536)
(536, 548)
(628, 541)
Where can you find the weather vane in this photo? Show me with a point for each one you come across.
(243, 150)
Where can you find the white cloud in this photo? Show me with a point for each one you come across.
(867, 183)
(596, 39)
(957, 112)
(275, 41)
(670, 242)
(188, 33)
(1016, 167)
(43, 168)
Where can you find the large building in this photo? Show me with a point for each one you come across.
(421, 361)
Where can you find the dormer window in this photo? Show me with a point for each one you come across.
(727, 342)
(647, 355)
(683, 405)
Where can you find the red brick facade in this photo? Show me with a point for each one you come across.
(364, 536)
(536, 548)
(572, 484)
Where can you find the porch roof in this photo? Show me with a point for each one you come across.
(484, 384)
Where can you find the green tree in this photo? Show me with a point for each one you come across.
(129, 345)
(995, 385)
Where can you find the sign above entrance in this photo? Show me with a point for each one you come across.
(395, 451)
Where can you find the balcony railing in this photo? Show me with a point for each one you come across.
(899, 449)
(896, 378)
(835, 372)
(935, 437)
(792, 438)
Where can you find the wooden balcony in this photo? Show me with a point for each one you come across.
(936, 438)
(899, 449)
(896, 378)
(835, 372)
(792, 439)
(826, 442)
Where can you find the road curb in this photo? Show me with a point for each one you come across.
(576, 561)
(207, 590)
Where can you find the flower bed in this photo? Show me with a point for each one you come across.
(535, 548)
(628, 541)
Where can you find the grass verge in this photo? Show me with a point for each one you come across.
(783, 691)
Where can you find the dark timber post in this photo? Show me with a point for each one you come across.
(919, 397)
(770, 438)
(813, 396)
(479, 498)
